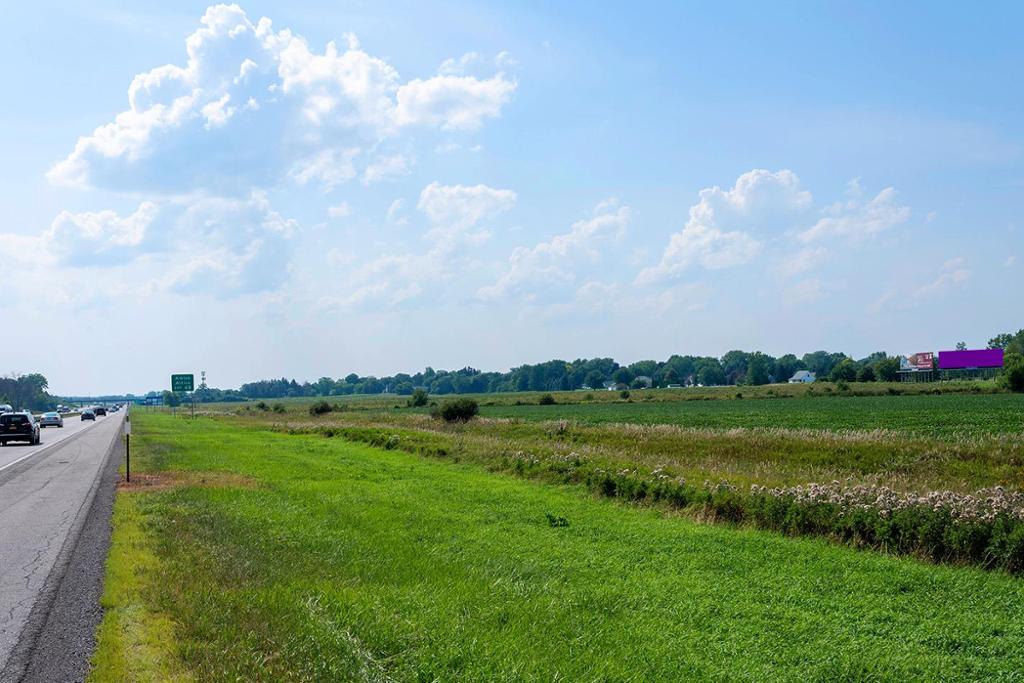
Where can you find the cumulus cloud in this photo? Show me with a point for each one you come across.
(857, 219)
(339, 211)
(456, 210)
(722, 227)
(386, 167)
(98, 238)
(549, 265)
(953, 274)
(226, 247)
(251, 103)
(453, 102)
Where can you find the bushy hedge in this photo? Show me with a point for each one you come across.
(458, 410)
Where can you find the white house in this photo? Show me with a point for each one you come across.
(802, 376)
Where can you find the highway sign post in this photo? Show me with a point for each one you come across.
(187, 383)
(183, 383)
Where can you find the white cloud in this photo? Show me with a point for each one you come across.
(339, 211)
(806, 259)
(453, 102)
(251, 103)
(98, 238)
(330, 167)
(857, 219)
(395, 214)
(720, 232)
(550, 264)
(457, 67)
(953, 274)
(1010, 261)
(223, 247)
(455, 210)
(386, 168)
(805, 292)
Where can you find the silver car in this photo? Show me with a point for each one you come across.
(51, 420)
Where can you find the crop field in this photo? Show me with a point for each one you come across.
(946, 415)
(254, 547)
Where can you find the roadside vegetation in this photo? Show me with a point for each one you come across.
(273, 553)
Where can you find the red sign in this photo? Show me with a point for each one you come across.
(922, 360)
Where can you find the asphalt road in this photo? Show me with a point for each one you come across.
(46, 492)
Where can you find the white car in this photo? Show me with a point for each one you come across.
(51, 420)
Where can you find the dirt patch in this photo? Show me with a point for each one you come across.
(161, 481)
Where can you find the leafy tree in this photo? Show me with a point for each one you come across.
(171, 399)
(734, 364)
(845, 370)
(594, 379)
(786, 366)
(757, 369)
(887, 369)
(710, 373)
(1012, 376)
(418, 399)
(961, 346)
(866, 374)
(623, 376)
(669, 376)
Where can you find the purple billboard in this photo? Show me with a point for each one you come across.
(975, 358)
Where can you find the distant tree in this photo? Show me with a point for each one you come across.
(594, 379)
(786, 366)
(961, 346)
(418, 399)
(171, 399)
(1012, 376)
(710, 373)
(734, 365)
(757, 369)
(845, 370)
(623, 376)
(352, 378)
(887, 370)
(638, 384)
(669, 376)
(1000, 341)
(866, 374)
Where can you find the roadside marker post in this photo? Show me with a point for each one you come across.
(127, 448)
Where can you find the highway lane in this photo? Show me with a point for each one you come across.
(18, 450)
(43, 498)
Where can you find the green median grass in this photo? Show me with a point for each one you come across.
(274, 557)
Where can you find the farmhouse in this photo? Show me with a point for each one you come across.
(802, 376)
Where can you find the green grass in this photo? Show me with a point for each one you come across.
(946, 415)
(346, 562)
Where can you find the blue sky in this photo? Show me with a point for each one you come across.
(492, 184)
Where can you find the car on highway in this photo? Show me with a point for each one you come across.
(88, 414)
(6, 408)
(100, 410)
(18, 427)
(51, 419)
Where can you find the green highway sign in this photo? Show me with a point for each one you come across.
(183, 382)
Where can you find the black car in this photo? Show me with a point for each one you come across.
(18, 427)
(87, 414)
(101, 411)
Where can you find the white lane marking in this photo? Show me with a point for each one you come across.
(48, 446)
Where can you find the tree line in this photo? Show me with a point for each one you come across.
(734, 368)
(26, 391)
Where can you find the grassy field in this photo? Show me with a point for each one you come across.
(261, 555)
